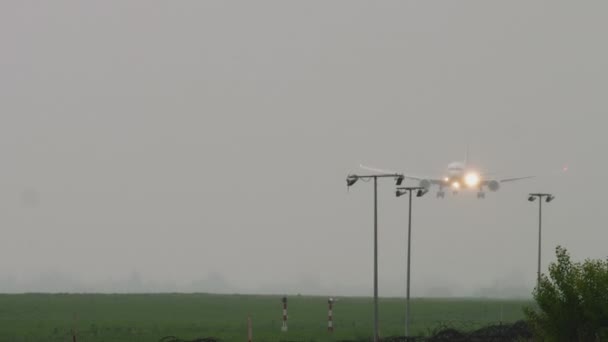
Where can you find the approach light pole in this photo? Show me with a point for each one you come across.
(420, 191)
(350, 181)
(548, 198)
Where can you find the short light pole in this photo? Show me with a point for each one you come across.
(548, 198)
(350, 180)
(249, 330)
(420, 191)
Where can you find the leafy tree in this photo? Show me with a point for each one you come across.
(572, 301)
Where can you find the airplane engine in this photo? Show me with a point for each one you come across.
(425, 183)
(493, 185)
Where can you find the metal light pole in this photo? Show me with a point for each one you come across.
(350, 180)
(548, 198)
(420, 191)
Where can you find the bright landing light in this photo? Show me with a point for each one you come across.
(456, 185)
(471, 179)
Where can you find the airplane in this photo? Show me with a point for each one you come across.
(460, 176)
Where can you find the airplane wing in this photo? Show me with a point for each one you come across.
(434, 181)
(562, 170)
(373, 169)
(487, 182)
(514, 179)
(412, 177)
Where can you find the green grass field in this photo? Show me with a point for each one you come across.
(127, 317)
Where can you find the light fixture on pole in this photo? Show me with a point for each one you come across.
(350, 181)
(548, 198)
(420, 191)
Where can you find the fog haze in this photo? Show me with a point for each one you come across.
(203, 145)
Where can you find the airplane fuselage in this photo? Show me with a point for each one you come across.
(458, 177)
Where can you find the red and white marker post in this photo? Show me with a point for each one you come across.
(284, 326)
(330, 315)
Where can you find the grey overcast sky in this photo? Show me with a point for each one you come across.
(204, 145)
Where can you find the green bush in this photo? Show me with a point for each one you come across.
(572, 302)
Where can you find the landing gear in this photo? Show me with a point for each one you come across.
(481, 194)
(440, 194)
